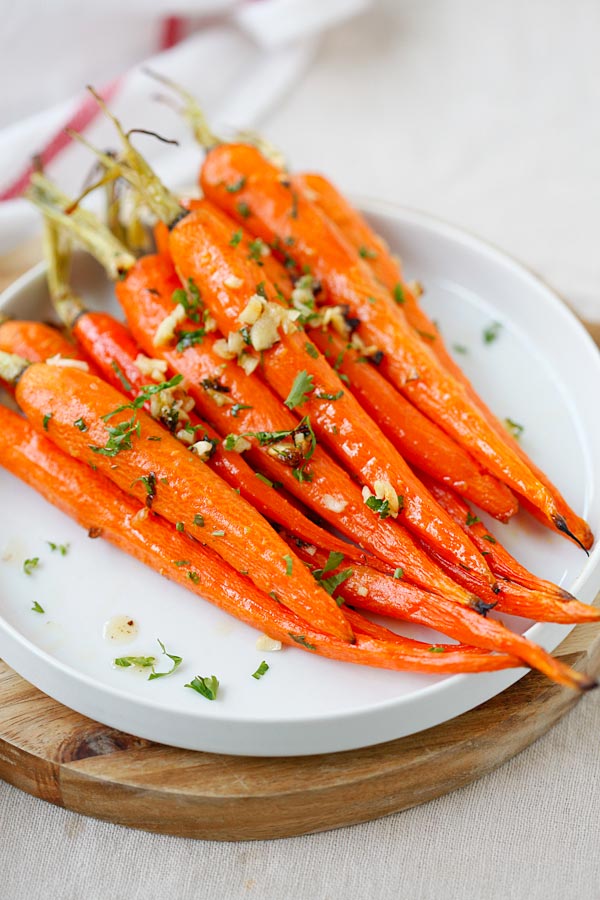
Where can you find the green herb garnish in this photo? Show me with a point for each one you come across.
(120, 375)
(336, 396)
(235, 238)
(289, 564)
(491, 333)
(243, 209)
(300, 639)
(37, 608)
(472, 520)
(236, 186)
(367, 253)
(79, 423)
(514, 428)
(46, 420)
(63, 549)
(199, 520)
(311, 350)
(398, 573)
(236, 409)
(30, 564)
(301, 388)
(261, 670)
(398, 293)
(207, 685)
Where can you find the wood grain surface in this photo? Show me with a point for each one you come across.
(61, 756)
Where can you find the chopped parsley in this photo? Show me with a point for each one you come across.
(37, 608)
(311, 350)
(207, 686)
(120, 375)
(190, 299)
(426, 335)
(236, 186)
(436, 650)
(471, 519)
(180, 526)
(120, 437)
(79, 423)
(63, 549)
(255, 250)
(490, 539)
(30, 564)
(148, 662)
(381, 507)
(243, 209)
(237, 408)
(332, 582)
(398, 293)
(187, 339)
(460, 348)
(301, 475)
(302, 386)
(491, 333)
(264, 438)
(367, 253)
(294, 208)
(181, 562)
(267, 481)
(218, 533)
(300, 639)
(398, 573)
(199, 520)
(262, 669)
(289, 564)
(514, 428)
(236, 237)
(46, 420)
(336, 396)
(194, 577)
(149, 482)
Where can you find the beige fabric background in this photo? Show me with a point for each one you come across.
(485, 114)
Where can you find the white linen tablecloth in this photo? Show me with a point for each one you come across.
(487, 115)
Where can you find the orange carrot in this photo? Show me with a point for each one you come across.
(146, 298)
(387, 270)
(419, 439)
(136, 453)
(387, 596)
(226, 279)
(102, 508)
(36, 341)
(277, 212)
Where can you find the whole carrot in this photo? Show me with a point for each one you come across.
(106, 511)
(386, 596)
(35, 341)
(135, 452)
(387, 271)
(201, 250)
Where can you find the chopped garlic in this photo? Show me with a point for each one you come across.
(67, 363)
(202, 449)
(310, 550)
(233, 282)
(361, 591)
(264, 333)
(416, 288)
(334, 315)
(248, 362)
(267, 644)
(210, 324)
(140, 515)
(252, 311)
(241, 445)
(166, 330)
(151, 368)
(335, 504)
(385, 491)
(364, 349)
(366, 493)
(185, 436)
(221, 348)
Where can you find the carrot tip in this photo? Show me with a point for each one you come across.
(561, 525)
(587, 683)
(483, 608)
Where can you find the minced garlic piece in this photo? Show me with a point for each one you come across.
(185, 436)
(361, 591)
(151, 368)
(264, 333)
(202, 449)
(416, 288)
(385, 491)
(252, 311)
(335, 504)
(233, 282)
(241, 445)
(210, 324)
(334, 315)
(166, 330)
(248, 362)
(267, 644)
(310, 550)
(67, 363)
(361, 347)
(140, 515)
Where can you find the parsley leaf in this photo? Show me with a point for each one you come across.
(336, 396)
(237, 407)
(471, 519)
(207, 685)
(300, 639)
(367, 253)
(311, 350)
(289, 564)
(264, 667)
(302, 386)
(514, 428)
(120, 437)
(37, 608)
(176, 660)
(46, 420)
(236, 186)
(120, 375)
(236, 237)
(491, 333)
(243, 209)
(142, 662)
(398, 293)
(398, 573)
(30, 564)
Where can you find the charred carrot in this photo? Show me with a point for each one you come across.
(419, 440)
(274, 210)
(103, 509)
(136, 453)
(387, 270)
(227, 281)
(381, 594)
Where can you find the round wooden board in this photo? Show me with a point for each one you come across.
(61, 756)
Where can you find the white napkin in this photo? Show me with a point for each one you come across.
(238, 58)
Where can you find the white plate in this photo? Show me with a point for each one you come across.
(543, 371)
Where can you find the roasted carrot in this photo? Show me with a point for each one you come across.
(419, 440)
(102, 508)
(387, 270)
(145, 296)
(201, 250)
(36, 341)
(559, 603)
(277, 212)
(381, 594)
(136, 453)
